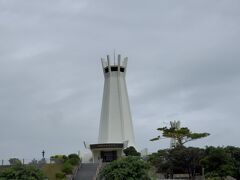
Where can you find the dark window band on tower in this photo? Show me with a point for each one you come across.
(121, 69)
(114, 68)
(106, 70)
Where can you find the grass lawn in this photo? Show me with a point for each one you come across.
(50, 170)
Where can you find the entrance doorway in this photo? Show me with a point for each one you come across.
(108, 156)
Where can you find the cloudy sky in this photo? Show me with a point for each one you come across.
(184, 64)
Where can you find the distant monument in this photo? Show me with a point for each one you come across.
(176, 125)
(116, 128)
(43, 153)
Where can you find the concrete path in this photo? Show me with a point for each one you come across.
(86, 172)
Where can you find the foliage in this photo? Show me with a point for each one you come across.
(186, 160)
(131, 151)
(73, 159)
(59, 158)
(159, 161)
(51, 170)
(234, 152)
(22, 172)
(218, 162)
(14, 161)
(60, 175)
(182, 135)
(130, 167)
(177, 160)
(67, 168)
(73, 156)
(68, 163)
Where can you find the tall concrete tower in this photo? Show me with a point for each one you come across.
(116, 120)
(116, 128)
(176, 125)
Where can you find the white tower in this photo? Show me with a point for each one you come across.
(176, 125)
(116, 128)
(116, 120)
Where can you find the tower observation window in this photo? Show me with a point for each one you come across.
(114, 68)
(121, 69)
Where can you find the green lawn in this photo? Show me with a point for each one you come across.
(50, 170)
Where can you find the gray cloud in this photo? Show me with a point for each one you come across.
(184, 65)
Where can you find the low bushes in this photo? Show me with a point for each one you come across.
(60, 175)
(131, 151)
(68, 164)
(67, 168)
(59, 158)
(133, 168)
(73, 159)
(20, 171)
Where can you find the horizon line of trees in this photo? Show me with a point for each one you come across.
(213, 162)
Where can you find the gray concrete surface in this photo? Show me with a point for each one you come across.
(87, 171)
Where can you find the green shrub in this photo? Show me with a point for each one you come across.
(22, 172)
(60, 175)
(14, 161)
(130, 167)
(131, 151)
(59, 158)
(64, 157)
(73, 159)
(73, 162)
(73, 156)
(67, 168)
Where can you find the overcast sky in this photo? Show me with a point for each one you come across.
(184, 64)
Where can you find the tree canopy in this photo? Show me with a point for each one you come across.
(221, 162)
(179, 160)
(14, 161)
(218, 162)
(181, 135)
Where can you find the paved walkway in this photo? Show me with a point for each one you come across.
(86, 172)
